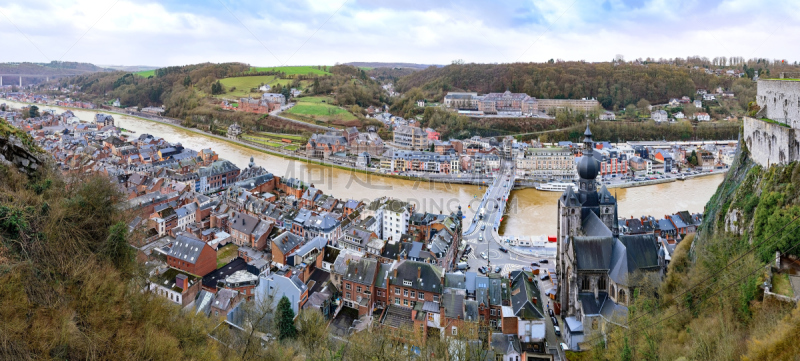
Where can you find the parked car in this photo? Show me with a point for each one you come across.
(534, 264)
(480, 238)
(482, 270)
(555, 321)
(503, 249)
(564, 347)
(484, 256)
(543, 261)
(551, 312)
(483, 227)
(497, 269)
(557, 330)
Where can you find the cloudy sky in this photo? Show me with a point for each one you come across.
(309, 32)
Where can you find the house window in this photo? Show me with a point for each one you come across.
(601, 284)
(412, 294)
(585, 284)
(405, 302)
(348, 295)
(396, 301)
(405, 293)
(397, 291)
(406, 283)
(421, 295)
(455, 331)
(358, 289)
(435, 298)
(492, 312)
(347, 286)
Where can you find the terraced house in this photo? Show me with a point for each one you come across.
(427, 162)
(358, 285)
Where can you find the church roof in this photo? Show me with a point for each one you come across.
(593, 226)
(593, 253)
(569, 199)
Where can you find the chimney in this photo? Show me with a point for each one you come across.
(419, 272)
(534, 300)
(395, 273)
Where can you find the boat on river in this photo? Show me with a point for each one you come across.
(556, 186)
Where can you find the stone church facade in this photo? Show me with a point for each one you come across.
(596, 265)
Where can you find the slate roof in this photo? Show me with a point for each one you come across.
(429, 280)
(594, 227)
(589, 304)
(186, 248)
(453, 305)
(471, 310)
(522, 293)
(592, 253)
(455, 280)
(665, 225)
(243, 222)
(286, 241)
(361, 271)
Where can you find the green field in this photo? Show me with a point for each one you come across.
(321, 111)
(276, 139)
(292, 137)
(243, 84)
(292, 70)
(318, 100)
(145, 73)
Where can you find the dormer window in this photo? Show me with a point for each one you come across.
(406, 283)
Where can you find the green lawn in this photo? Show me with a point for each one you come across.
(243, 84)
(292, 70)
(265, 141)
(321, 111)
(227, 253)
(316, 99)
(279, 136)
(145, 73)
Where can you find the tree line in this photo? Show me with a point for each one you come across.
(614, 85)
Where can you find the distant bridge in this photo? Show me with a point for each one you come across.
(46, 76)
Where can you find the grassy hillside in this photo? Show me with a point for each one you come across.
(145, 73)
(240, 86)
(69, 284)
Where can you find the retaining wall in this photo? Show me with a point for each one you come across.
(771, 143)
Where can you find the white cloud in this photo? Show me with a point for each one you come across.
(138, 33)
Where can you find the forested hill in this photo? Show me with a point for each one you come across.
(614, 85)
(51, 68)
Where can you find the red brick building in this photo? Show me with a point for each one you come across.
(192, 255)
(358, 285)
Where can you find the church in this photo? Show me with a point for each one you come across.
(597, 267)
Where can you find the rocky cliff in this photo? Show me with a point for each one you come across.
(18, 150)
(754, 204)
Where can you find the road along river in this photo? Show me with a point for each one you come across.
(530, 212)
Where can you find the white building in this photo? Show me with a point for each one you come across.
(660, 116)
(396, 215)
(703, 117)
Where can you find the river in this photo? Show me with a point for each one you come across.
(530, 212)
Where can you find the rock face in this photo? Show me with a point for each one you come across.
(15, 154)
